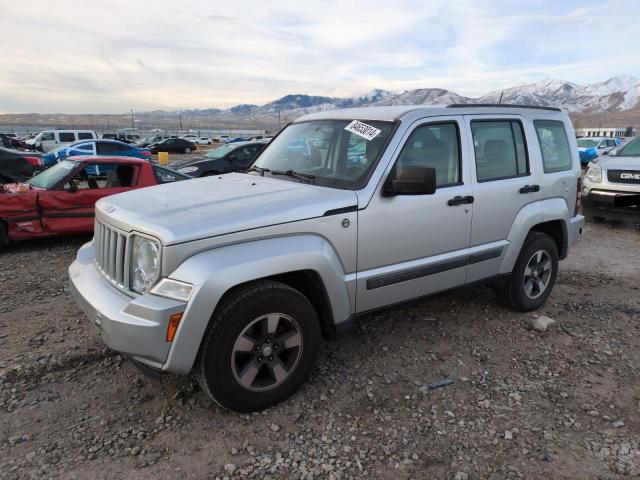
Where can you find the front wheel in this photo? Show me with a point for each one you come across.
(187, 150)
(533, 275)
(259, 347)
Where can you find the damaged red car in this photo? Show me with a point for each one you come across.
(60, 200)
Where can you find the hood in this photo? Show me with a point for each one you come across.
(619, 163)
(211, 206)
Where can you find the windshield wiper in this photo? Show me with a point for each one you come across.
(260, 170)
(303, 177)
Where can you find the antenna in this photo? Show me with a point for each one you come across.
(501, 94)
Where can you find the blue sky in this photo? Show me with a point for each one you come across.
(109, 56)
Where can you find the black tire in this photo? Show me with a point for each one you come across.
(513, 292)
(187, 150)
(218, 368)
(4, 235)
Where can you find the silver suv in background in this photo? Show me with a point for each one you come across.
(238, 277)
(611, 188)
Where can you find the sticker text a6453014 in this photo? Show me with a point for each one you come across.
(362, 129)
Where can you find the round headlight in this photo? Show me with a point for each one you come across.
(145, 263)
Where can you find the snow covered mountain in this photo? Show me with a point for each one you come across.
(294, 105)
(612, 95)
(615, 94)
(424, 96)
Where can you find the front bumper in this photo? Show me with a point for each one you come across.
(602, 203)
(134, 326)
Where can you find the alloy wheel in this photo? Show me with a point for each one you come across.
(537, 274)
(266, 352)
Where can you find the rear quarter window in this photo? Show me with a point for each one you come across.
(85, 135)
(554, 145)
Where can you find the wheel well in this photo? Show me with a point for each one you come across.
(309, 283)
(556, 229)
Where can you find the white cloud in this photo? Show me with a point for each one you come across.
(78, 56)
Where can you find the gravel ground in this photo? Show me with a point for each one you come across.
(525, 404)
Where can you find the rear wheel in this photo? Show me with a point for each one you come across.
(187, 150)
(259, 347)
(533, 275)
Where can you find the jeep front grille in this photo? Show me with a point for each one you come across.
(624, 176)
(111, 254)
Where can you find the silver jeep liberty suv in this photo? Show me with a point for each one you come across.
(238, 277)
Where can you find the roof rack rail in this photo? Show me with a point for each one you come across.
(506, 105)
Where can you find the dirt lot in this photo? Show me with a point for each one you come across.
(525, 404)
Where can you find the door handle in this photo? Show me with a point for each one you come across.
(530, 189)
(458, 200)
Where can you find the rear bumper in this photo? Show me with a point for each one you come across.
(574, 230)
(136, 327)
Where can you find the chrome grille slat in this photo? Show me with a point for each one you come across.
(120, 259)
(111, 254)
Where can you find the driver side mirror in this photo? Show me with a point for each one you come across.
(73, 188)
(232, 158)
(412, 180)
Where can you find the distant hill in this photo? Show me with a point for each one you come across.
(613, 95)
(615, 101)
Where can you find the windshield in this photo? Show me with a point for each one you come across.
(220, 151)
(52, 176)
(586, 143)
(337, 153)
(631, 149)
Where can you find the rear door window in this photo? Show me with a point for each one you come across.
(500, 149)
(67, 136)
(106, 148)
(554, 145)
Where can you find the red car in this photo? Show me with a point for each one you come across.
(61, 200)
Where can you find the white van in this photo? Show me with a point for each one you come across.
(49, 139)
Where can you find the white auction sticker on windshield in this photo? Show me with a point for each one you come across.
(362, 129)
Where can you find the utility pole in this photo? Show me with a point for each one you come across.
(278, 117)
(133, 124)
(107, 123)
(180, 123)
